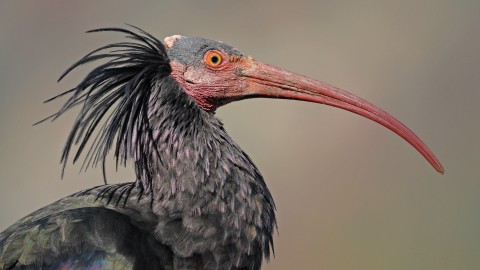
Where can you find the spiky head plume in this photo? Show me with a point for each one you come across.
(121, 87)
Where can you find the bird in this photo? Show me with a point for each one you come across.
(197, 201)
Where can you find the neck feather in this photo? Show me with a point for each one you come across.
(194, 168)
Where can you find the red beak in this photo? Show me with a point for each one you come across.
(267, 81)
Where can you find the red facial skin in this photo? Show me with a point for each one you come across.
(210, 86)
(238, 78)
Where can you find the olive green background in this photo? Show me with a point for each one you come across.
(350, 194)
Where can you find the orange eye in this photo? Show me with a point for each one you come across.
(213, 59)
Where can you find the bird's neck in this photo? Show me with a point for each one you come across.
(196, 170)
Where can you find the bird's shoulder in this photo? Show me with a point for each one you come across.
(84, 230)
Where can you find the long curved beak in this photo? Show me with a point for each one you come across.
(267, 81)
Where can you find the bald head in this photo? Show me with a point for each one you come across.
(190, 50)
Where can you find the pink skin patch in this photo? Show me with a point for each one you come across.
(169, 41)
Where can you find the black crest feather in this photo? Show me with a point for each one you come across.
(122, 86)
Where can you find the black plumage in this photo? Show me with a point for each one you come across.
(198, 201)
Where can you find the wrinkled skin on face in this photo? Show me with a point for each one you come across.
(210, 86)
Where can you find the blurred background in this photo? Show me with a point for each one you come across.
(350, 194)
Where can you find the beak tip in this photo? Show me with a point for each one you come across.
(440, 169)
(436, 165)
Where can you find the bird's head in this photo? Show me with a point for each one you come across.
(209, 71)
(214, 74)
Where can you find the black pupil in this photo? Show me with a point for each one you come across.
(215, 59)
